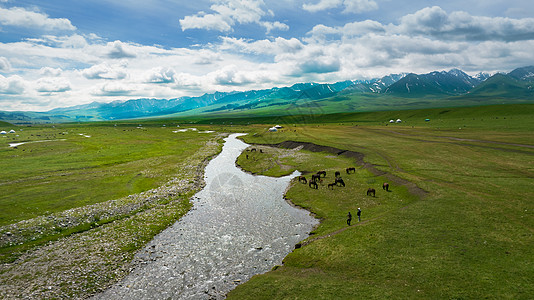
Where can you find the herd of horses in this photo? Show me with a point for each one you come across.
(338, 181)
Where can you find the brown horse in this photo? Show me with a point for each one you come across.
(303, 179)
(313, 185)
(371, 192)
(351, 169)
(316, 177)
(385, 186)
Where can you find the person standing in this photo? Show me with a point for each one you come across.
(359, 213)
(349, 218)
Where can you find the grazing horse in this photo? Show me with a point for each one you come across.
(316, 177)
(331, 185)
(337, 174)
(253, 150)
(351, 169)
(313, 185)
(371, 192)
(303, 179)
(339, 181)
(322, 173)
(385, 186)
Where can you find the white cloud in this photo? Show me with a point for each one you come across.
(270, 26)
(359, 6)
(118, 49)
(322, 5)
(14, 85)
(50, 85)
(161, 75)
(114, 89)
(51, 72)
(5, 66)
(227, 13)
(436, 22)
(105, 71)
(20, 17)
(350, 6)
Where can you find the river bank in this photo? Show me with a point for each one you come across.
(240, 226)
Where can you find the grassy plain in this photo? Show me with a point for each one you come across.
(469, 237)
(65, 166)
(84, 198)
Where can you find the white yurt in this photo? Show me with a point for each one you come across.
(12, 131)
(273, 129)
(3, 132)
(399, 121)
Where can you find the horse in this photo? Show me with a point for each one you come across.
(315, 177)
(385, 186)
(253, 150)
(303, 179)
(331, 185)
(371, 192)
(337, 174)
(351, 169)
(322, 173)
(313, 185)
(339, 181)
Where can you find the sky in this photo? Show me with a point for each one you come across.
(60, 53)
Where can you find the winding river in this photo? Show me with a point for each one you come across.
(240, 226)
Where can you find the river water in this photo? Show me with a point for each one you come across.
(240, 226)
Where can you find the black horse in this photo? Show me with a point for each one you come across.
(331, 185)
(351, 170)
(339, 181)
(371, 192)
(337, 174)
(303, 179)
(313, 185)
(322, 173)
(385, 186)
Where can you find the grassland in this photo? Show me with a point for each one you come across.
(79, 200)
(470, 237)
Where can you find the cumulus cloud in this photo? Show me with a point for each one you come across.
(118, 50)
(20, 17)
(227, 13)
(51, 72)
(13, 85)
(161, 75)
(436, 22)
(114, 89)
(5, 66)
(270, 26)
(105, 71)
(350, 6)
(52, 85)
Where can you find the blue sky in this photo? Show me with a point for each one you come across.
(59, 53)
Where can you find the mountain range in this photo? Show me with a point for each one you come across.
(396, 91)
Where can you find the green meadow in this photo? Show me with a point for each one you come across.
(66, 166)
(470, 236)
(457, 222)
